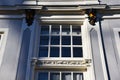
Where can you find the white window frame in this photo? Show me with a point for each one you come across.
(71, 35)
(4, 33)
(86, 50)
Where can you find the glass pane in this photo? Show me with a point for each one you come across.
(66, 40)
(54, 52)
(55, 40)
(44, 40)
(45, 29)
(66, 29)
(66, 76)
(76, 29)
(42, 76)
(77, 52)
(43, 52)
(77, 76)
(54, 76)
(55, 29)
(77, 40)
(66, 52)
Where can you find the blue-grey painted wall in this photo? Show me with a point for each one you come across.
(96, 55)
(9, 65)
(107, 26)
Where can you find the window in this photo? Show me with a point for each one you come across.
(59, 76)
(60, 41)
(60, 55)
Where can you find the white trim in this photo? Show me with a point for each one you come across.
(115, 16)
(88, 50)
(69, 3)
(61, 2)
(11, 16)
(117, 39)
(101, 52)
(3, 43)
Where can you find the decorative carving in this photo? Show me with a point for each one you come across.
(30, 13)
(84, 62)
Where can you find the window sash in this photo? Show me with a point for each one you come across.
(59, 75)
(63, 38)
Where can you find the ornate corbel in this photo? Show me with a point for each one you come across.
(29, 16)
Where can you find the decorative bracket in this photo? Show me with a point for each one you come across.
(30, 13)
(92, 16)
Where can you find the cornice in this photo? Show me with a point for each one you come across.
(61, 7)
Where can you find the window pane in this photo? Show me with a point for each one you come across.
(54, 52)
(45, 29)
(43, 52)
(77, 40)
(65, 29)
(76, 29)
(66, 52)
(44, 40)
(66, 40)
(77, 76)
(77, 52)
(55, 40)
(55, 29)
(66, 76)
(54, 76)
(43, 76)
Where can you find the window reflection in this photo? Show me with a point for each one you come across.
(76, 30)
(66, 29)
(45, 29)
(66, 52)
(44, 40)
(77, 40)
(66, 76)
(55, 40)
(43, 52)
(55, 76)
(77, 52)
(54, 52)
(55, 29)
(77, 76)
(66, 40)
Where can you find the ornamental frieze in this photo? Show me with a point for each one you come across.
(83, 62)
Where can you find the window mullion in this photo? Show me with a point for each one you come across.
(49, 40)
(60, 76)
(48, 75)
(60, 41)
(71, 75)
(71, 41)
